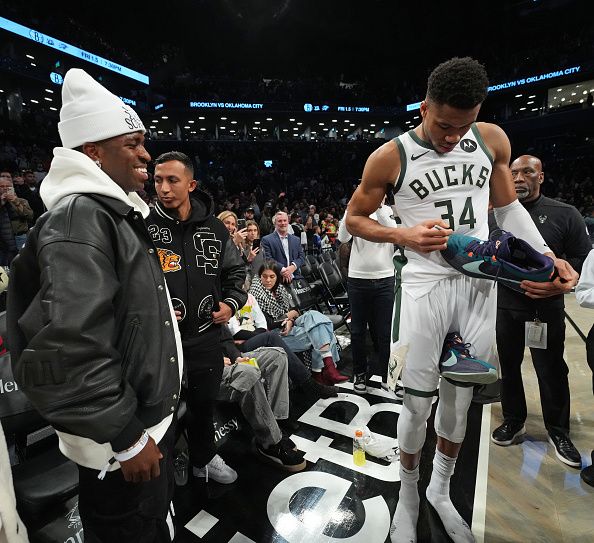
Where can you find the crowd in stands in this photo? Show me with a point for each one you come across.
(312, 180)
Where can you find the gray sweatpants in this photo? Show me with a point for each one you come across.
(262, 394)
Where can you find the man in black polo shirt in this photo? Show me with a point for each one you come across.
(564, 230)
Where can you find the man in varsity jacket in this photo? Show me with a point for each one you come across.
(205, 276)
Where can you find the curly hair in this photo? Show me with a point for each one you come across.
(461, 83)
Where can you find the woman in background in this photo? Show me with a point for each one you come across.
(301, 332)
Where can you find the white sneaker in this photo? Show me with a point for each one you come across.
(217, 470)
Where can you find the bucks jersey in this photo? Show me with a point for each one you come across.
(453, 186)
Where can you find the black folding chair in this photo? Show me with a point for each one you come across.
(305, 299)
(312, 259)
(310, 275)
(44, 479)
(335, 287)
(342, 278)
(303, 295)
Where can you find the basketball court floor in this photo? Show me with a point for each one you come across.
(520, 493)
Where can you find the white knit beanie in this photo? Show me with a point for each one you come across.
(91, 113)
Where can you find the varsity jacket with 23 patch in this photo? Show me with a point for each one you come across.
(201, 266)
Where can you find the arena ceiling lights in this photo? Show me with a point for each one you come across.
(570, 95)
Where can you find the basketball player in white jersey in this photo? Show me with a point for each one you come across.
(444, 172)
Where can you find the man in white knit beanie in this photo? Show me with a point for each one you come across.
(93, 335)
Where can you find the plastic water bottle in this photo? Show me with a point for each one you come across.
(251, 362)
(358, 450)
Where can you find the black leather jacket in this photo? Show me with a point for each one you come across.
(89, 325)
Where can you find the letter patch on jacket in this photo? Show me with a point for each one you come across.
(169, 260)
(208, 249)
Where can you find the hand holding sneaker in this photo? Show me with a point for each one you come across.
(565, 279)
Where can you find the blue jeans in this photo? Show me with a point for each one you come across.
(372, 301)
(313, 330)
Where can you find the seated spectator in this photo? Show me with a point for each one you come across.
(30, 191)
(18, 213)
(309, 233)
(317, 240)
(311, 330)
(229, 219)
(252, 251)
(263, 396)
(299, 229)
(249, 327)
(265, 224)
(249, 213)
(330, 228)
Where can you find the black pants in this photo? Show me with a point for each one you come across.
(205, 371)
(590, 352)
(551, 369)
(298, 373)
(372, 302)
(115, 510)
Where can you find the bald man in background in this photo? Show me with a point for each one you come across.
(564, 230)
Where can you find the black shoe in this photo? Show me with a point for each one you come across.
(288, 425)
(484, 394)
(587, 474)
(508, 433)
(360, 383)
(282, 456)
(565, 450)
(317, 391)
(291, 444)
(180, 465)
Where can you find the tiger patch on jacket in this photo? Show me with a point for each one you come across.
(170, 261)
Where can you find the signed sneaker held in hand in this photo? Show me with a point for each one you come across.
(503, 258)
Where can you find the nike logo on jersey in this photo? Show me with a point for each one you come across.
(414, 157)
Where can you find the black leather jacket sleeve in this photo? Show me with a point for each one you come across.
(233, 277)
(70, 365)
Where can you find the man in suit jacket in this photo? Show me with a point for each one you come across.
(284, 248)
